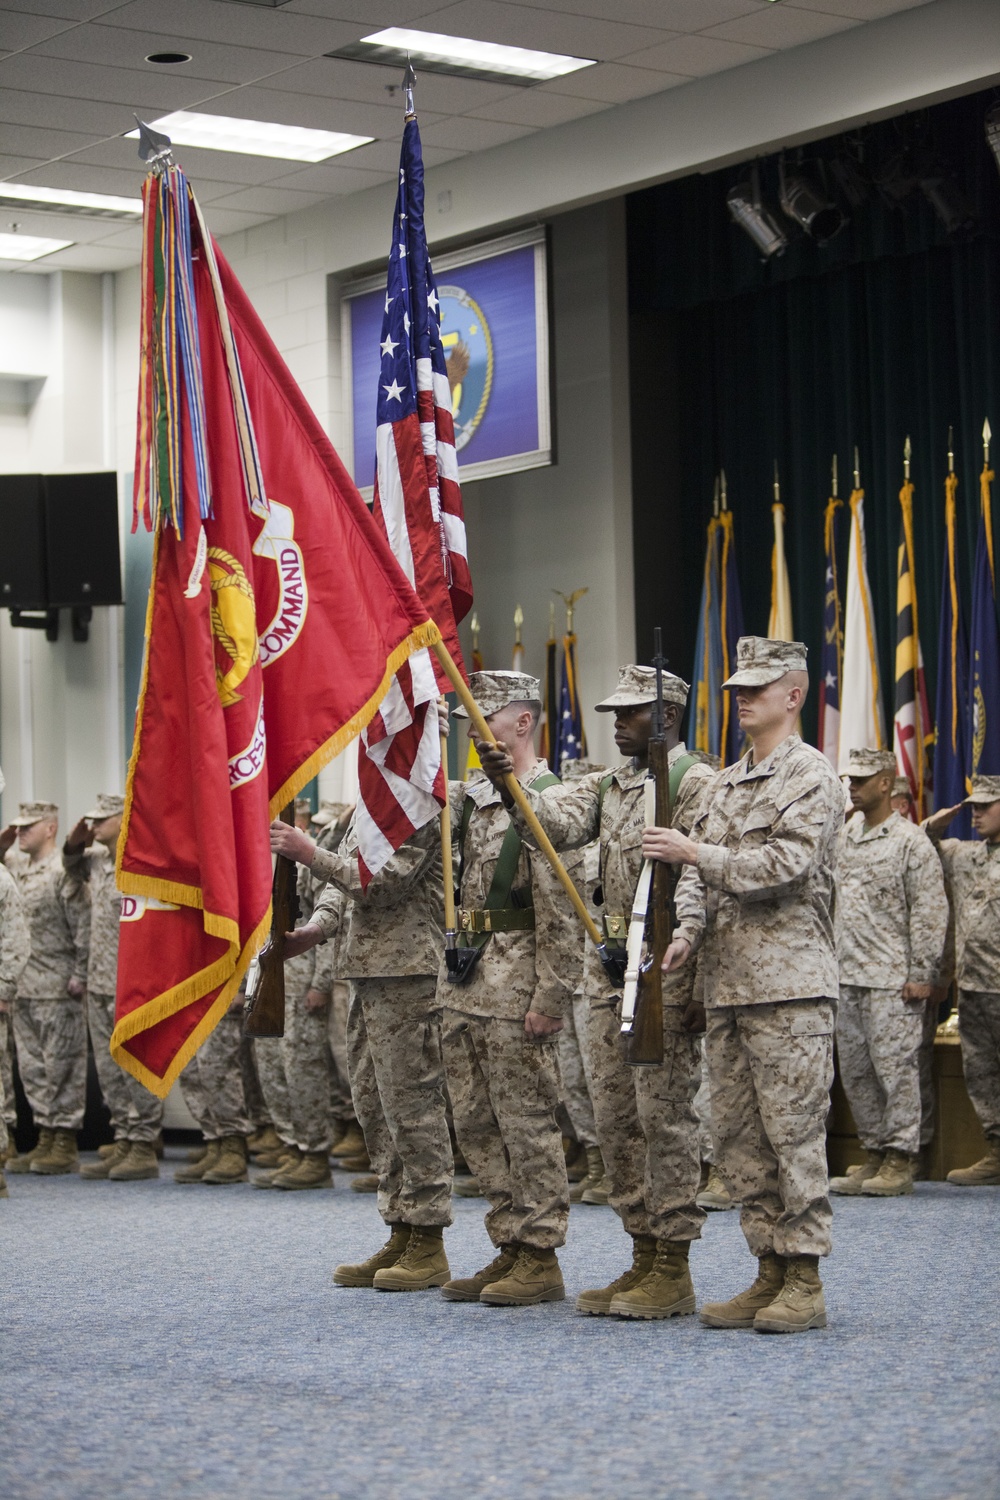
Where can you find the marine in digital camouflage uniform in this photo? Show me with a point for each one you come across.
(891, 915)
(49, 1024)
(756, 898)
(972, 870)
(646, 1125)
(15, 950)
(136, 1114)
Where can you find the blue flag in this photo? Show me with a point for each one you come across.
(731, 737)
(951, 706)
(984, 649)
(705, 712)
(570, 742)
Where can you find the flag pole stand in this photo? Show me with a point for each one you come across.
(514, 787)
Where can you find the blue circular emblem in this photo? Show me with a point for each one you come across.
(468, 352)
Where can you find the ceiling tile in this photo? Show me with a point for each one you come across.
(472, 135)
(268, 200)
(329, 178)
(123, 47)
(228, 167)
(18, 30)
(229, 220)
(860, 10)
(695, 56)
(313, 110)
(68, 10)
(528, 26)
(84, 257)
(532, 107)
(614, 83)
(57, 75)
(374, 14)
(341, 78)
(122, 237)
(83, 178)
(58, 226)
(251, 25)
(662, 14)
(11, 166)
(21, 107)
(383, 156)
(37, 141)
(781, 26)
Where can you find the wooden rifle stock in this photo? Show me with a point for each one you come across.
(644, 1045)
(264, 1011)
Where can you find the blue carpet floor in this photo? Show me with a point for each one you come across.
(158, 1340)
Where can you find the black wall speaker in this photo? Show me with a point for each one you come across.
(59, 541)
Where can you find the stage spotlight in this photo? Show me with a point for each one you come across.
(945, 196)
(992, 126)
(747, 209)
(804, 199)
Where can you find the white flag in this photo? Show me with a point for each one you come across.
(862, 722)
(779, 623)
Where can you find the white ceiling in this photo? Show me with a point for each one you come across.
(72, 72)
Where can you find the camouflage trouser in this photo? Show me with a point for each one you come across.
(341, 1102)
(703, 1109)
(979, 1029)
(212, 1082)
(308, 1070)
(136, 1114)
(394, 1048)
(770, 1068)
(574, 1069)
(269, 1055)
(646, 1126)
(9, 1108)
(878, 1046)
(504, 1093)
(3, 1095)
(257, 1111)
(51, 1041)
(925, 1067)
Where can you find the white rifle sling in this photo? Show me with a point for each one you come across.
(637, 924)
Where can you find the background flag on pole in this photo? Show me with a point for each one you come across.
(550, 701)
(517, 655)
(984, 640)
(832, 657)
(731, 738)
(472, 761)
(913, 732)
(862, 721)
(418, 503)
(268, 573)
(572, 740)
(951, 708)
(705, 714)
(779, 624)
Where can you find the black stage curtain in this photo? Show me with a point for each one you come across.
(893, 329)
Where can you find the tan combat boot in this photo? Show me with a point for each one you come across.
(422, 1265)
(366, 1183)
(3, 1185)
(982, 1173)
(666, 1292)
(595, 1175)
(466, 1187)
(312, 1170)
(107, 1149)
(231, 1164)
(101, 1168)
(137, 1165)
(363, 1274)
(18, 1164)
(715, 1196)
(740, 1311)
(361, 1163)
(196, 1170)
(534, 1277)
(195, 1154)
(893, 1179)
(289, 1159)
(598, 1301)
(598, 1192)
(799, 1305)
(61, 1157)
(468, 1288)
(263, 1141)
(351, 1143)
(851, 1185)
(10, 1153)
(577, 1166)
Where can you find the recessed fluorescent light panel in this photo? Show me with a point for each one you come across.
(462, 56)
(66, 200)
(29, 246)
(254, 137)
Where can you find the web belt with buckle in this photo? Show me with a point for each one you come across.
(499, 919)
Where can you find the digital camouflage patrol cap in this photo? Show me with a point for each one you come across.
(901, 787)
(984, 789)
(872, 763)
(637, 685)
(34, 812)
(760, 660)
(328, 812)
(108, 805)
(494, 690)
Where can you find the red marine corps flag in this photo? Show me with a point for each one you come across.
(278, 622)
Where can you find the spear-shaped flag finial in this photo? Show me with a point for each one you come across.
(857, 470)
(987, 434)
(951, 450)
(777, 484)
(154, 148)
(833, 477)
(723, 496)
(907, 455)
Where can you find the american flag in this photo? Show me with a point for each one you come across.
(832, 655)
(418, 501)
(571, 742)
